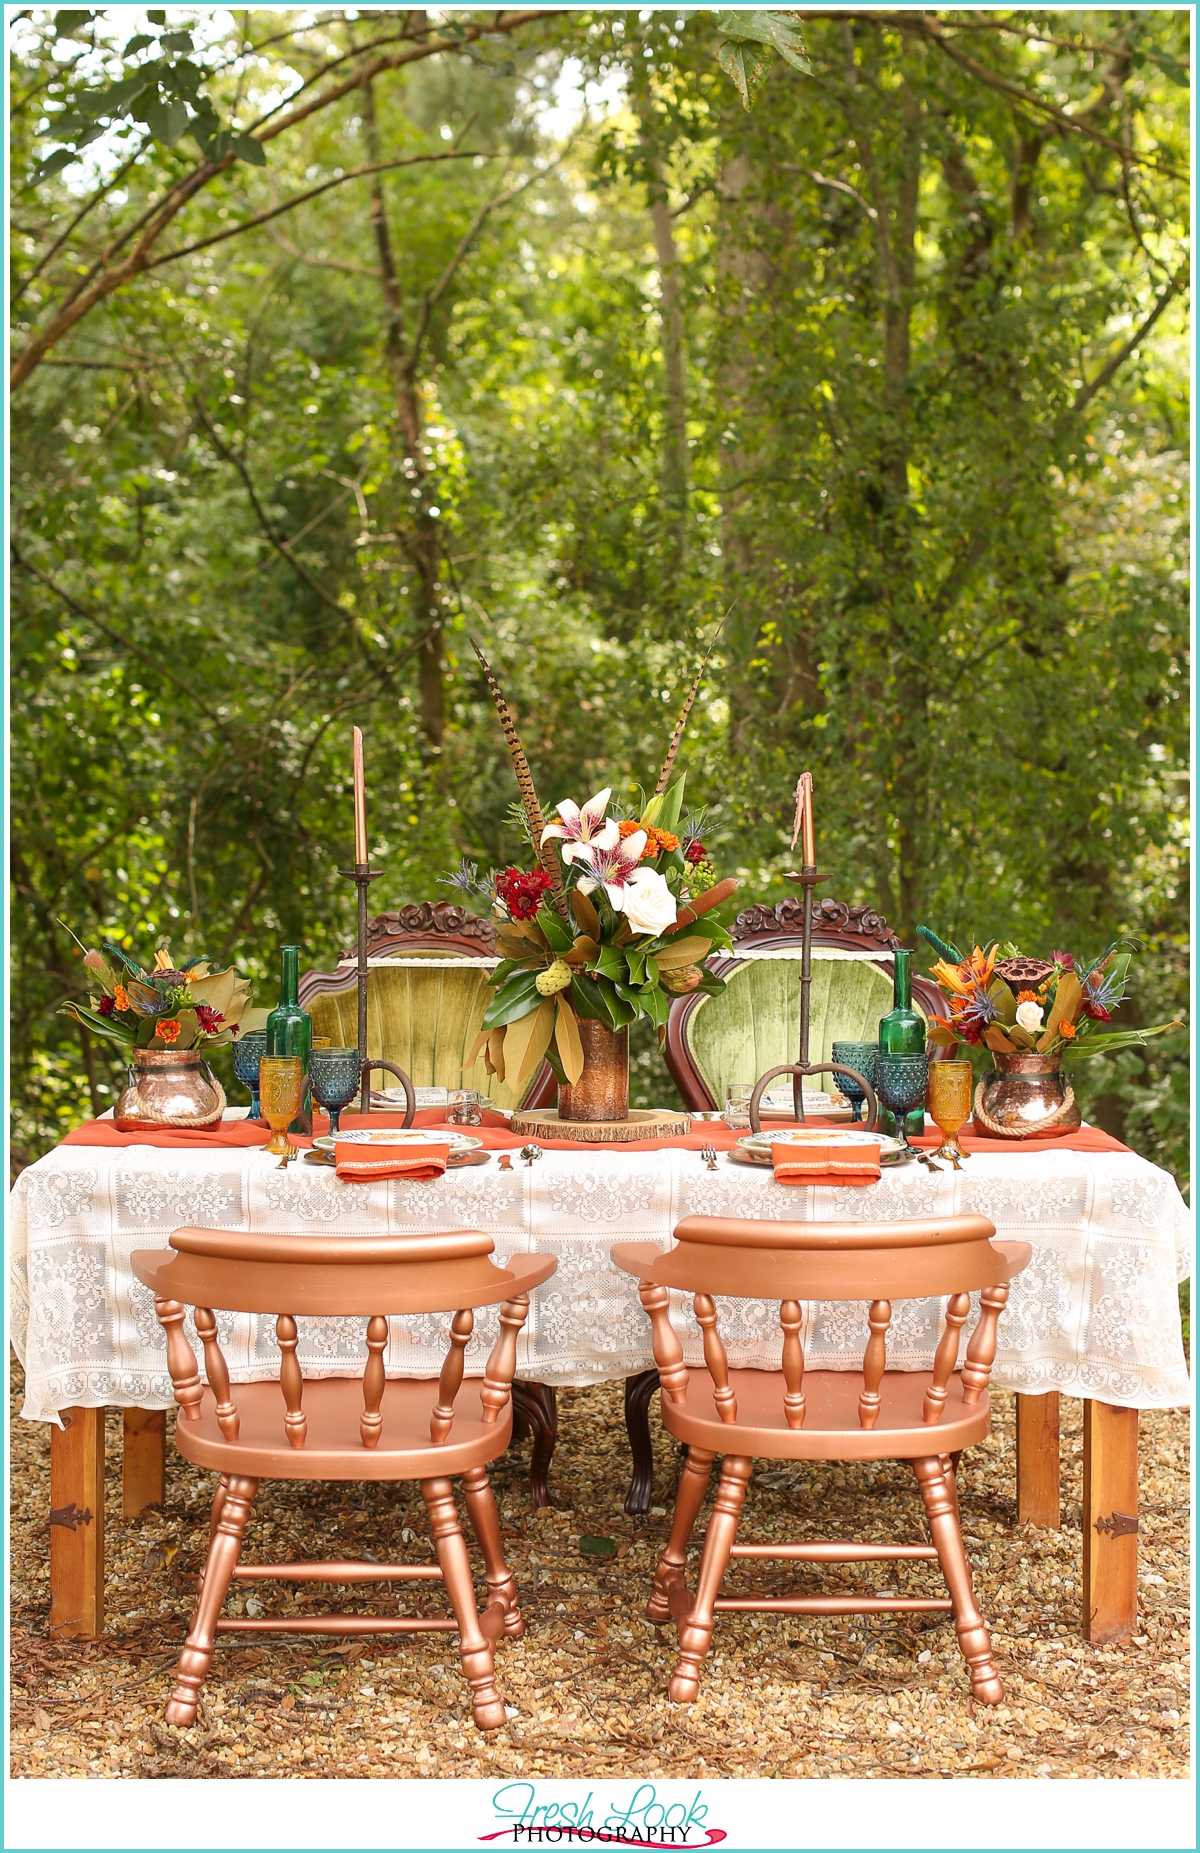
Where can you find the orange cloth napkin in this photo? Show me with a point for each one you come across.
(814, 1162)
(363, 1164)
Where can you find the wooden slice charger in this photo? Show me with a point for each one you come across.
(642, 1123)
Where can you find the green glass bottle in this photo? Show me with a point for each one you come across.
(289, 1030)
(902, 1032)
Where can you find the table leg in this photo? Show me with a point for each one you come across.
(77, 1525)
(144, 1464)
(536, 1407)
(638, 1391)
(1037, 1461)
(1110, 1503)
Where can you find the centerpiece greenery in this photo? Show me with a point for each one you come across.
(601, 927)
(161, 1005)
(1018, 1004)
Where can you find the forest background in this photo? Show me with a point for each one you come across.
(341, 335)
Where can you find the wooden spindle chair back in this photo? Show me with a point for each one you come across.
(872, 1414)
(343, 1428)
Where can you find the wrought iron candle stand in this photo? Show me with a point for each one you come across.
(799, 1070)
(363, 875)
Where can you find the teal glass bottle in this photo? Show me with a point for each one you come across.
(289, 1030)
(902, 1032)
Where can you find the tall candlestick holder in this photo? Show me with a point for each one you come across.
(362, 874)
(808, 878)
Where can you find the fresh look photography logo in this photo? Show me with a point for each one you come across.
(645, 1820)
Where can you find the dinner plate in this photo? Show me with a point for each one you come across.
(411, 1135)
(755, 1149)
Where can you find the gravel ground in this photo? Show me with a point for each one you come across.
(587, 1685)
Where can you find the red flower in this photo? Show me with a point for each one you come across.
(208, 1018)
(695, 851)
(106, 1006)
(522, 892)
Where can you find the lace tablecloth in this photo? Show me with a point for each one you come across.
(1094, 1315)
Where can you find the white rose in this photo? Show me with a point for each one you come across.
(649, 904)
(1029, 1016)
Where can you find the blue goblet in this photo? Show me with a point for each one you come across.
(248, 1051)
(861, 1057)
(336, 1077)
(901, 1082)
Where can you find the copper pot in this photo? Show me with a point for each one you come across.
(602, 1090)
(169, 1087)
(1025, 1097)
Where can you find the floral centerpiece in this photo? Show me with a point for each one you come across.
(1031, 1013)
(162, 1006)
(615, 919)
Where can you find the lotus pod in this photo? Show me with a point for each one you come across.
(1024, 974)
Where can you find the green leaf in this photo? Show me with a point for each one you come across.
(655, 1004)
(98, 1025)
(53, 164)
(671, 806)
(514, 999)
(598, 1547)
(777, 30)
(157, 17)
(138, 42)
(556, 930)
(176, 41)
(612, 963)
(248, 148)
(597, 998)
(68, 22)
(748, 68)
(165, 121)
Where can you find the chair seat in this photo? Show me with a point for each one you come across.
(333, 1448)
(831, 1426)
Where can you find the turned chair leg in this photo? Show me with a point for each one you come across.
(695, 1633)
(689, 1497)
(231, 1514)
(535, 1412)
(973, 1637)
(485, 1520)
(477, 1653)
(638, 1393)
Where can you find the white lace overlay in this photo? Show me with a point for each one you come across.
(1094, 1314)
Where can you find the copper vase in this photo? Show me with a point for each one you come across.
(1025, 1097)
(169, 1087)
(602, 1090)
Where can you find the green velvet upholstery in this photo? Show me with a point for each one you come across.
(755, 1023)
(425, 1021)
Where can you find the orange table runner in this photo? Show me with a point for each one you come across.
(496, 1136)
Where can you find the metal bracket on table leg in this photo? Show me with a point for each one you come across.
(1117, 1525)
(69, 1517)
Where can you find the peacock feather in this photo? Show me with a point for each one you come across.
(941, 946)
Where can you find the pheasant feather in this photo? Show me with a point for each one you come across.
(677, 736)
(525, 784)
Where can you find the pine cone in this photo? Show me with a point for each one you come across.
(1024, 974)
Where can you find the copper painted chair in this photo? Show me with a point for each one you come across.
(341, 1428)
(872, 1414)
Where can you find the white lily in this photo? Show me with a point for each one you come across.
(611, 867)
(581, 829)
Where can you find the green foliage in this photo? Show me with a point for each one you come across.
(884, 370)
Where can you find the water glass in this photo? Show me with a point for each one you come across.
(861, 1057)
(737, 1105)
(336, 1077)
(281, 1086)
(950, 1105)
(901, 1082)
(464, 1107)
(248, 1051)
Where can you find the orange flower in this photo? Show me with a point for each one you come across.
(1067, 1030)
(167, 1028)
(629, 827)
(657, 841)
(120, 998)
(1027, 997)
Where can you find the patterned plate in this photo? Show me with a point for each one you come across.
(411, 1135)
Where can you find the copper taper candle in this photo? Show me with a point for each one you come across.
(360, 800)
(810, 832)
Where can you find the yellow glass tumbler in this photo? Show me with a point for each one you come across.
(280, 1090)
(950, 1105)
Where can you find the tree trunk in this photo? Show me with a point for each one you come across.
(424, 544)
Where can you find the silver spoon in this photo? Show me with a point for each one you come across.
(530, 1152)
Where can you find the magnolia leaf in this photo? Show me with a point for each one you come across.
(941, 1038)
(249, 1021)
(996, 1039)
(1068, 997)
(585, 914)
(224, 991)
(1006, 1004)
(1105, 1042)
(495, 1053)
(98, 1025)
(688, 951)
(568, 1041)
(477, 1048)
(513, 947)
(582, 953)
(189, 1030)
(525, 1042)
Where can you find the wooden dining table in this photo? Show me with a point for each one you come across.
(1094, 1316)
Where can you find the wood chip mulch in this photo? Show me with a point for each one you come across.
(586, 1687)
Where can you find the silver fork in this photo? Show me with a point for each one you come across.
(709, 1155)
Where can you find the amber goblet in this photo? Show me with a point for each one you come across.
(280, 1090)
(950, 1105)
